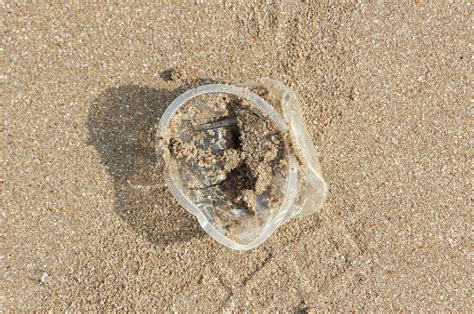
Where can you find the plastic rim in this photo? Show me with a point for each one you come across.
(291, 188)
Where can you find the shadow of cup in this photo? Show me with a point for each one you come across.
(122, 126)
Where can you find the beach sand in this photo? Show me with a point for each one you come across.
(87, 222)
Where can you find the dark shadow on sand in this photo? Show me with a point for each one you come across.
(122, 126)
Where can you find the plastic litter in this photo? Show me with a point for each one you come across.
(304, 189)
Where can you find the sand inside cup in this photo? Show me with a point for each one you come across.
(226, 143)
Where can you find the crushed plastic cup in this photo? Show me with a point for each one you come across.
(304, 189)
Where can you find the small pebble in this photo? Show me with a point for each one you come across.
(44, 278)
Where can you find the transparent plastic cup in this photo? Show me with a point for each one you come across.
(304, 189)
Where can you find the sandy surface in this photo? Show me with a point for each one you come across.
(386, 97)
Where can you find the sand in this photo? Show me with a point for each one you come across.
(385, 92)
(224, 141)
